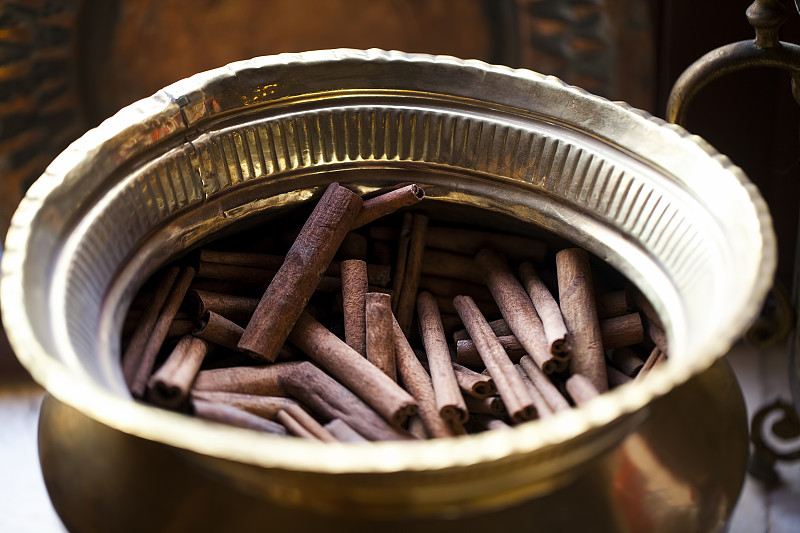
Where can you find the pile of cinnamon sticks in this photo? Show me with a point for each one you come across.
(363, 326)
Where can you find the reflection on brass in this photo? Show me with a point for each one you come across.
(507, 149)
(765, 454)
(665, 476)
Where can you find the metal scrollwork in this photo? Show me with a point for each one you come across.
(765, 455)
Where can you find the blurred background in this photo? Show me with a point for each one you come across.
(65, 65)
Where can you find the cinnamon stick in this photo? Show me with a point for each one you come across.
(354, 294)
(616, 378)
(450, 265)
(489, 422)
(543, 408)
(387, 203)
(237, 309)
(614, 303)
(342, 432)
(623, 330)
(262, 380)
(418, 383)
(329, 399)
(626, 361)
(263, 406)
(132, 357)
(517, 310)
(473, 383)
(233, 416)
(219, 330)
(144, 363)
(550, 392)
(576, 295)
(401, 259)
(655, 358)
(380, 341)
(493, 405)
(449, 400)
(169, 385)
(547, 308)
(300, 273)
(359, 375)
(581, 389)
(294, 427)
(299, 423)
(509, 384)
(408, 291)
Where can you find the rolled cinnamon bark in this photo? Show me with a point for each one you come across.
(472, 383)
(380, 337)
(576, 295)
(169, 385)
(300, 273)
(499, 328)
(581, 389)
(450, 265)
(401, 258)
(354, 301)
(179, 327)
(356, 373)
(300, 423)
(387, 203)
(263, 406)
(623, 330)
(543, 409)
(489, 422)
(493, 405)
(262, 380)
(376, 274)
(450, 288)
(655, 358)
(617, 331)
(329, 399)
(510, 386)
(147, 357)
(449, 400)
(408, 291)
(615, 303)
(237, 309)
(342, 432)
(219, 330)
(547, 308)
(626, 361)
(417, 382)
(550, 392)
(616, 378)
(518, 310)
(227, 414)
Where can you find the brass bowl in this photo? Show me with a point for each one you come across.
(241, 145)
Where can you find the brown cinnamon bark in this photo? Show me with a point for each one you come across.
(355, 372)
(131, 357)
(547, 308)
(387, 203)
(262, 380)
(342, 432)
(263, 406)
(299, 275)
(401, 258)
(623, 330)
(450, 265)
(449, 400)
(299, 423)
(626, 361)
(493, 405)
(354, 301)
(550, 392)
(543, 409)
(408, 292)
(616, 378)
(655, 358)
(143, 364)
(615, 303)
(581, 389)
(489, 422)
(219, 330)
(473, 383)
(450, 288)
(518, 310)
(576, 295)
(232, 416)
(417, 382)
(509, 384)
(180, 327)
(380, 338)
(169, 385)
(237, 309)
(329, 399)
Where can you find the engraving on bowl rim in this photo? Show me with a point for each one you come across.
(570, 126)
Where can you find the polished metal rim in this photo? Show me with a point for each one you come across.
(660, 204)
